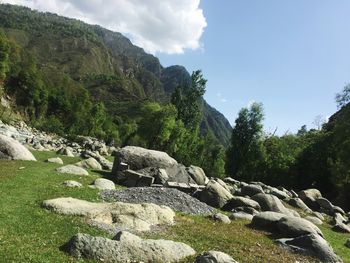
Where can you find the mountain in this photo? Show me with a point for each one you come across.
(103, 62)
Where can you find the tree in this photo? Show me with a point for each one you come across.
(245, 153)
(4, 57)
(157, 125)
(187, 100)
(343, 97)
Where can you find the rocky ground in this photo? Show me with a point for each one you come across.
(158, 187)
(173, 198)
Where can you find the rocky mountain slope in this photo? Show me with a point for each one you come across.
(103, 62)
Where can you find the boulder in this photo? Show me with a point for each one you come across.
(294, 227)
(106, 165)
(72, 169)
(90, 163)
(221, 218)
(197, 174)
(138, 158)
(134, 217)
(214, 257)
(276, 192)
(103, 184)
(341, 227)
(314, 220)
(347, 243)
(14, 150)
(313, 245)
(337, 209)
(66, 151)
(269, 202)
(267, 220)
(241, 216)
(179, 173)
(246, 209)
(215, 195)
(325, 205)
(57, 160)
(238, 201)
(298, 203)
(251, 190)
(231, 181)
(159, 174)
(309, 197)
(338, 219)
(127, 247)
(72, 184)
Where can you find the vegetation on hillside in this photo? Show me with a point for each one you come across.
(70, 78)
(314, 158)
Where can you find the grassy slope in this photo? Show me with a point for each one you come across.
(29, 233)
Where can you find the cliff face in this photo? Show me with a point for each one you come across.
(103, 62)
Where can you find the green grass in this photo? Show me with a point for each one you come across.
(29, 233)
(337, 241)
(237, 239)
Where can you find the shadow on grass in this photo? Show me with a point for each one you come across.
(106, 174)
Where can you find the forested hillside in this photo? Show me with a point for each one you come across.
(68, 77)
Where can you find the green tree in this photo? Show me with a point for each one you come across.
(4, 57)
(187, 100)
(157, 125)
(343, 97)
(245, 154)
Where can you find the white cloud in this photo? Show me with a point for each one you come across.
(168, 26)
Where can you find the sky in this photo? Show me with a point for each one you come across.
(291, 55)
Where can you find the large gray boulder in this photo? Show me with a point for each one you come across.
(127, 248)
(13, 150)
(313, 245)
(309, 197)
(241, 216)
(294, 227)
(72, 169)
(179, 173)
(238, 201)
(214, 194)
(133, 217)
(103, 184)
(197, 174)
(267, 220)
(298, 203)
(90, 163)
(221, 218)
(214, 257)
(272, 203)
(138, 158)
(57, 160)
(251, 190)
(106, 165)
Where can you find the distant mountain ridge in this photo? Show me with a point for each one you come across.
(105, 63)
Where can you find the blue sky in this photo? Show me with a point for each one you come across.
(293, 56)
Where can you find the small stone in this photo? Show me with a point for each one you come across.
(214, 257)
(57, 160)
(222, 218)
(72, 169)
(72, 184)
(103, 184)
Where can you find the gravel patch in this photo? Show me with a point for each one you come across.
(173, 198)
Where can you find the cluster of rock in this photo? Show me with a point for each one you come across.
(41, 141)
(136, 166)
(159, 185)
(265, 206)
